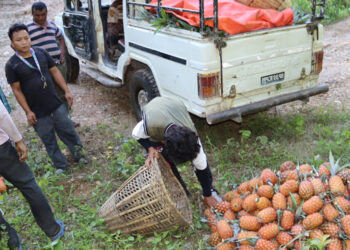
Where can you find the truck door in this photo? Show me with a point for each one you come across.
(78, 26)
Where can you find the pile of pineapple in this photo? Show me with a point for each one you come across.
(297, 207)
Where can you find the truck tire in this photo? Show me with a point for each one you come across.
(143, 89)
(73, 68)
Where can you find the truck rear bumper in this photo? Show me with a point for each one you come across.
(237, 113)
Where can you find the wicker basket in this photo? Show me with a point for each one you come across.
(152, 200)
(267, 4)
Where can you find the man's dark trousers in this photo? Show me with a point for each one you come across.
(58, 121)
(20, 175)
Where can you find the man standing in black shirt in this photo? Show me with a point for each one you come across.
(30, 72)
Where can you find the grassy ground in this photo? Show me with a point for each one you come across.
(235, 153)
(335, 9)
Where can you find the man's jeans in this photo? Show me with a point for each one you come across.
(58, 121)
(20, 175)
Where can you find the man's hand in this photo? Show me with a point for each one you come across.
(31, 118)
(69, 98)
(62, 58)
(152, 153)
(22, 151)
(210, 201)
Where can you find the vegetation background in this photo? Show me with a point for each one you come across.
(235, 153)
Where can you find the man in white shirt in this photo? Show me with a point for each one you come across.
(166, 127)
(14, 169)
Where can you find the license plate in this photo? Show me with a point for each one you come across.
(266, 80)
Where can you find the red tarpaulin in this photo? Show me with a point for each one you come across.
(234, 17)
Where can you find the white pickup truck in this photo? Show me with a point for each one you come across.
(217, 79)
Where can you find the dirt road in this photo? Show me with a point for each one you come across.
(96, 104)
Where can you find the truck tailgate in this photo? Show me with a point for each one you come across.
(266, 58)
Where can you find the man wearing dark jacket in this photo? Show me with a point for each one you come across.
(166, 127)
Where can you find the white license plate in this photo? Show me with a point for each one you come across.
(266, 80)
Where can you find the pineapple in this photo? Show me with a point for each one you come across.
(344, 175)
(250, 223)
(224, 229)
(336, 185)
(266, 191)
(245, 236)
(330, 212)
(290, 186)
(316, 234)
(279, 201)
(267, 215)
(242, 213)
(323, 169)
(226, 246)
(288, 165)
(312, 221)
(249, 202)
(231, 195)
(335, 244)
(263, 203)
(222, 207)
(229, 215)
(318, 186)
(306, 190)
(262, 244)
(254, 184)
(243, 188)
(214, 239)
(268, 231)
(345, 221)
(297, 199)
(289, 175)
(268, 176)
(313, 205)
(330, 228)
(284, 238)
(211, 219)
(343, 203)
(236, 204)
(246, 247)
(287, 219)
(297, 229)
(305, 169)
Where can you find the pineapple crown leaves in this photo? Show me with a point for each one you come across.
(335, 168)
(251, 240)
(294, 202)
(299, 213)
(340, 210)
(320, 243)
(343, 236)
(315, 171)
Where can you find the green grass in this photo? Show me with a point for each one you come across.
(235, 153)
(335, 9)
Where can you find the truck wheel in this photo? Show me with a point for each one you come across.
(143, 88)
(73, 68)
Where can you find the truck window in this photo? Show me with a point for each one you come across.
(70, 4)
(83, 5)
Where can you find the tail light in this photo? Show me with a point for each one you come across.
(317, 61)
(208, 85)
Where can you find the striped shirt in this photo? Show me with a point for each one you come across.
(46, 37)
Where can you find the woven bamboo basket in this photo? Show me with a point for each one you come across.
(152, 200)
(267, 4)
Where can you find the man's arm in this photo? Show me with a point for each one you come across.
(57, 76)
(16, 88)
(8, 126)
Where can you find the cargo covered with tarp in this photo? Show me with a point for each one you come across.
(233, 17)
